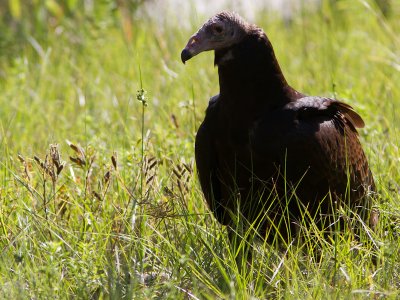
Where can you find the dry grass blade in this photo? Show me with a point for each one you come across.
(21, 158)
(26, 167)
(188, 167)
(77, 149)
(39, 161)
(153, 162)
(56, 158)
(114, 159)
(182, 175)
(149, 173)
(174, 121)
(97, 195)
(150, 179)
(55, 154)
(107, 177)
(80, 162)
(168, 192)
(177, 172)
(46, 168)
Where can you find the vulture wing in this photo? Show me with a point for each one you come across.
(207, 162)
(315, 140)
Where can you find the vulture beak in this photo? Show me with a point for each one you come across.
(186, 55)
(197, 43)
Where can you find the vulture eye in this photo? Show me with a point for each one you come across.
(218, 29)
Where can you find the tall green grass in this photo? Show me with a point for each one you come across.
(115, 210)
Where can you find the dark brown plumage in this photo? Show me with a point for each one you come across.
(267, 150)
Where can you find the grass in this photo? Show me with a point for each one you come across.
(115, 210)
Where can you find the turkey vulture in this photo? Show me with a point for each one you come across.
(266, 152)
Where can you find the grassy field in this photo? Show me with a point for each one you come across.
(99, 196)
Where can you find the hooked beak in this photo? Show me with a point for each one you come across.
(197, 43)
(186, 55)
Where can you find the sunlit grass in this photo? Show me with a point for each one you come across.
(119, 220)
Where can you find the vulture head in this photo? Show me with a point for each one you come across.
(220, 32)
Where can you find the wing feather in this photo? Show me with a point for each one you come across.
(207, 163)
(316, 140)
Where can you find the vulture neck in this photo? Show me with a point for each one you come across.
(250, 78)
